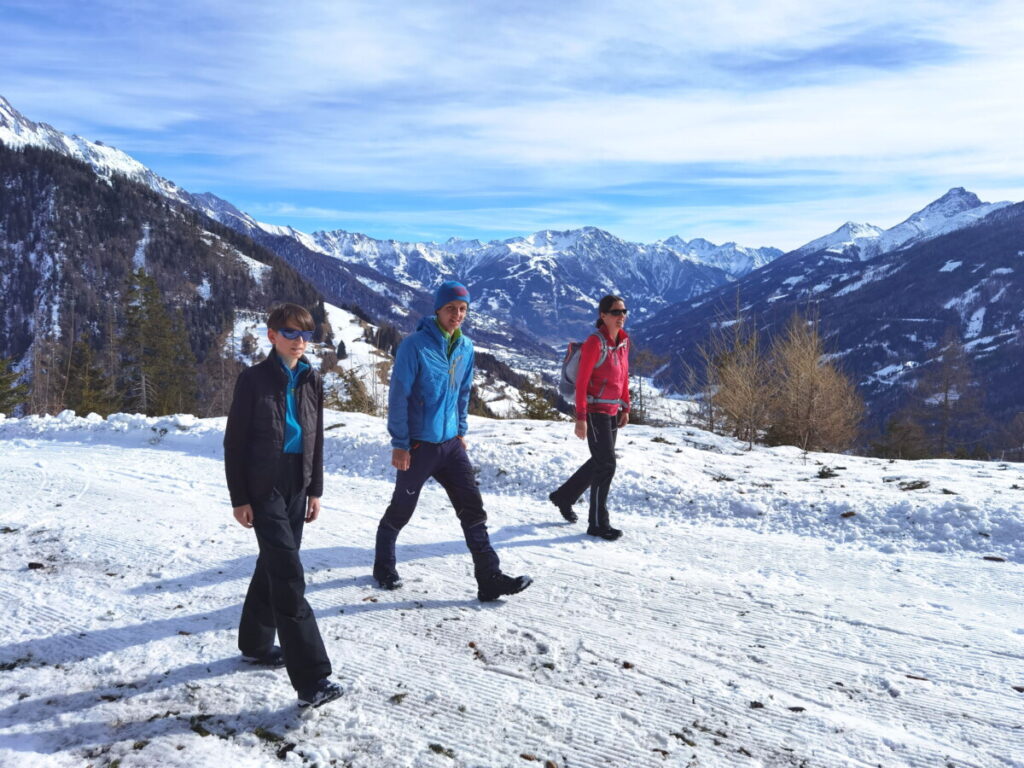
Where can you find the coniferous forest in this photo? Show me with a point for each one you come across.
(119, 298)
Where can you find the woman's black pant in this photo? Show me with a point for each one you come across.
(276, 601)
(597, 473)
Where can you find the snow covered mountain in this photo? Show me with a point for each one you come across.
(955, 210)
(850, 234)
(18, 131)
(886, 299)
(545, 284)
(736, 260)
(550, 281)
(387, 298)
(342, 283)
(543, 287)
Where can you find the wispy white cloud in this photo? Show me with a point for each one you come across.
(540, 112)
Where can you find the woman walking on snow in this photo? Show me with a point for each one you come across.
(602, 406)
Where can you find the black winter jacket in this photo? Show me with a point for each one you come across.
(254, 436)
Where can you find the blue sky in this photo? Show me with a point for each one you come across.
(762, 123)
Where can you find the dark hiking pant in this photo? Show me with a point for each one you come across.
(598, 471)
(276, 599)
(449, 465)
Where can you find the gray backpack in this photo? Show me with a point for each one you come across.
(571, 367)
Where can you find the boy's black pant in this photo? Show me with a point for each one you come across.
(447, 463)
(597, 472)
(276, 599)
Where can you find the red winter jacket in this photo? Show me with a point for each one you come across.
(604, 388)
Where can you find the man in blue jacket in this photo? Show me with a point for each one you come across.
(428, 410)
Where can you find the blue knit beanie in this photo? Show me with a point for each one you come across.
(450, 291)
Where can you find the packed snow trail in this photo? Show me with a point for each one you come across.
(696, 640)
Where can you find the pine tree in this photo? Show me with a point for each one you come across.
(136, 375)
(357, 399)
(12, 392)
(1012, 438)
(643, 363)
(88, 390)
(949, 400)
(47, 378)
(537, 404)
(902, 438)
(217, 375)
(112, 353)
(158, 367)
(174, 368)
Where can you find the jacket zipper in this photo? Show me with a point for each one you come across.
(451, 371)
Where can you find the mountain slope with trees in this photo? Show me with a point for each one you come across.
(111, 287)
(890, 321)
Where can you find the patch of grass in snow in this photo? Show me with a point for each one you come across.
(913, 485)
(533, 758)
(195, 723)
(684, 736)
(440, 750)
(265, 735)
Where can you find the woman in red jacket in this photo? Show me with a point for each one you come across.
(602, 406)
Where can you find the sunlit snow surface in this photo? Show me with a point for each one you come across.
(741, 621)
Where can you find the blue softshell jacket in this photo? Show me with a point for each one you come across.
(429, 397)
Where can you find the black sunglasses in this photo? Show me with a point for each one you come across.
(617, 312)
(292, 334)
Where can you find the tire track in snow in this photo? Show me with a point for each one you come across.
(701, 643)
(593, 613)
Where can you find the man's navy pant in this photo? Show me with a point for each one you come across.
(447, 463)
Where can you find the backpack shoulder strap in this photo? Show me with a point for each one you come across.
(604, 348)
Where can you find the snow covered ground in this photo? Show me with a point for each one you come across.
(758, 612)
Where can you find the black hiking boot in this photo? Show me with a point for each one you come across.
(498, 585)
(273, 658)
(387, 579)
(565, 509)
(319, 693)
(604, 532)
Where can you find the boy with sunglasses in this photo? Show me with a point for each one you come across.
(273, 458)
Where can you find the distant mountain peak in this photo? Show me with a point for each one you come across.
(850, 233)
(18, 131)
(954, 202)
(956, 209)
(856, 229)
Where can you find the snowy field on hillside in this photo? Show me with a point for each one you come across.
(763, 608)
